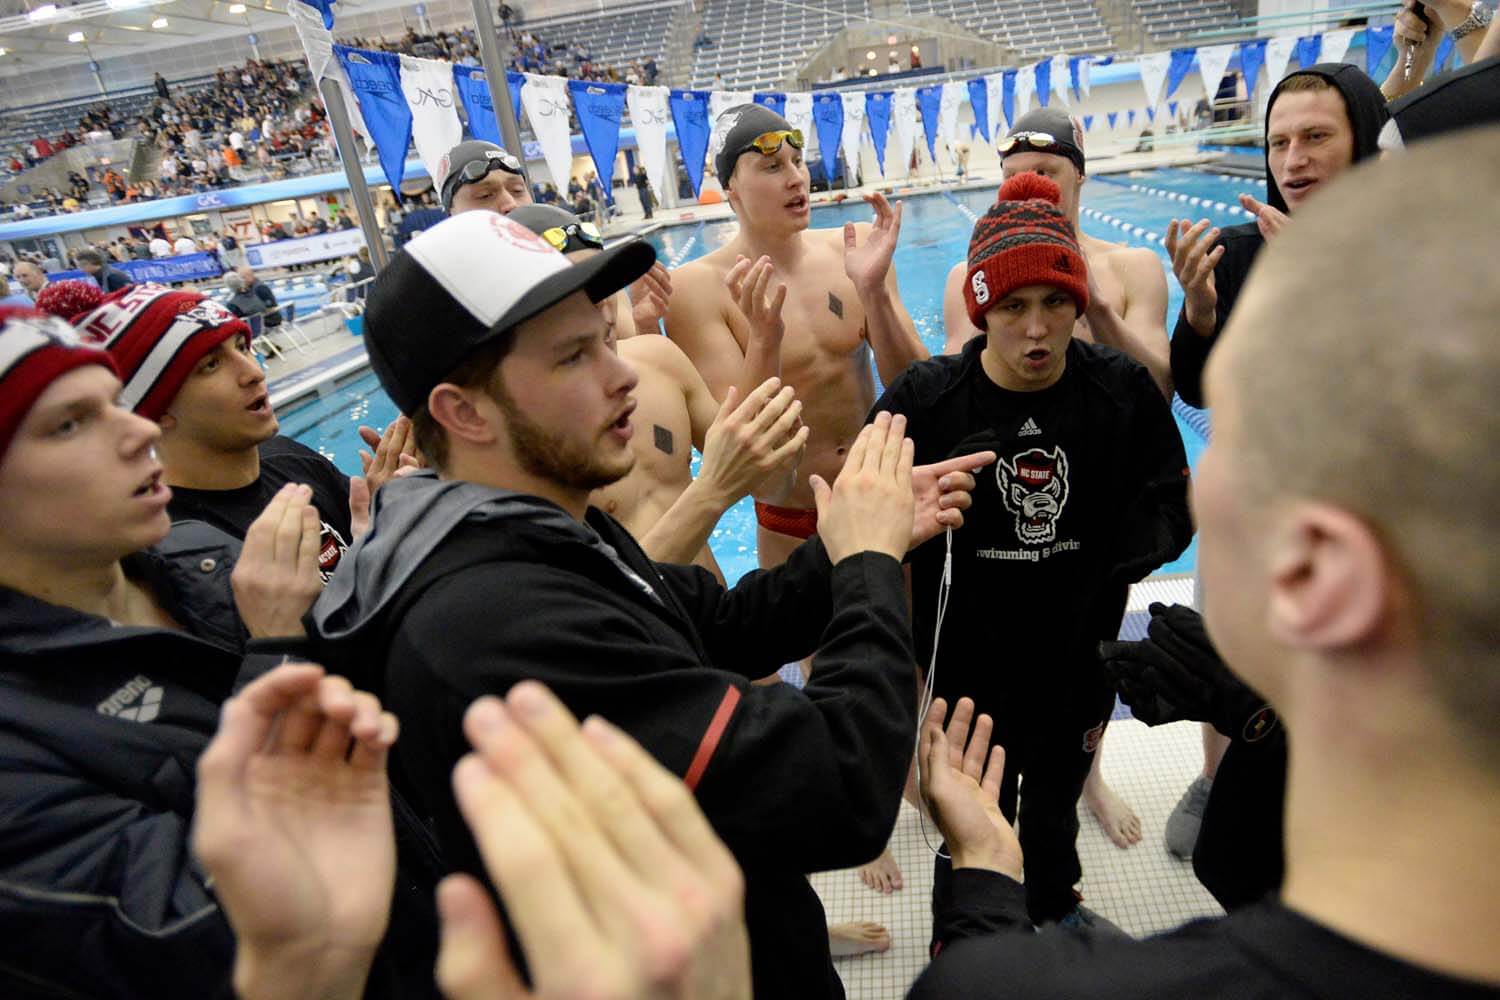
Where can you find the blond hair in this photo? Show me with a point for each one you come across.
(1365, 359)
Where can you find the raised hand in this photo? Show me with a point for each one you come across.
(960, 781)
(749, 282)
(613, 880)
(394, 450)
(1193, 263)
(293, 822)
(750, 441)
(276, 578)
(1268, 218)
(870, 506)
(868, 265)
(941, 492)
(650, 295)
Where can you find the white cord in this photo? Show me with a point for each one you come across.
(945, 585)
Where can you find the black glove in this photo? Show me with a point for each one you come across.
(1176, 674)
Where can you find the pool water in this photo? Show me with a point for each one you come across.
(934, 235)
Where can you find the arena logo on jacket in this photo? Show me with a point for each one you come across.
(139, 701)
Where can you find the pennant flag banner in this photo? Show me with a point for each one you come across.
(546, 102)
(903, 128)
(514, 82)
(690, 119)
(649, 115)
(474, 93)
(1078, 75)
(1088, 122)
(1130, 117)
(1008, 98)
(317, 45)
(1113, 117)
(1060, 76)
(718, 102)
(799, 113)
(1377, 43)
(375, 78)
(599, 107)
(828, 115)
(878, 115)
(1042, 75)
(1213, 61)
(428, 87)
(1172, 109)
(1309, 47)
(1177, 68)
(993, 84)
(324, 7)
(1025, 87)
(952, 101)
(853, 137)
(1150, 114)
(1154, 67)
(1278, 54)
(1252, 60)
(1336, 44)
(930, 100)
(775, 101)
(979, 100)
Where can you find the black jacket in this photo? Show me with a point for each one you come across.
(459, 590)
(1367, 114)
(263, 292)
(112, 279)
(100, 731)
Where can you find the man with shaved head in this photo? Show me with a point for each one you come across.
(1347, 509)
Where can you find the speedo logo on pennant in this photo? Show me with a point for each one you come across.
(139, 701)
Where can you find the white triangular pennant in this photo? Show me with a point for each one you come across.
(1336, 44)
(1213, 60)
(1154, 75)
(649, 113)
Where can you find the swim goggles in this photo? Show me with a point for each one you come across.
(585, 232)
(767, 143)
(493, 160)
(1036, 140)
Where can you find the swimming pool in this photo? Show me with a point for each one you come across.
(1129, 208)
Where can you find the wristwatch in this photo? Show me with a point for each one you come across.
(1479, 16)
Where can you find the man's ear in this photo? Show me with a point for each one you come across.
(458, 412)
(1331, 582)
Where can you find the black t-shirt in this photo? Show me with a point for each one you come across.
(1089, 494)
(1263, 952)
(282, 461)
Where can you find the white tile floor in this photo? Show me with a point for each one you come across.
(1143, 889)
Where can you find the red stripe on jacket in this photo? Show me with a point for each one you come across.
(711, 737)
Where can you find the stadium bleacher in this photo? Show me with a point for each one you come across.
(1030, 30)
(638, 32)
(1171, 19)
(757, 44)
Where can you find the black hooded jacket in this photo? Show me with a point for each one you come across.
(1367, 113)
(460, 590)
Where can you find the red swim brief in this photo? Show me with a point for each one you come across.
(793, 521)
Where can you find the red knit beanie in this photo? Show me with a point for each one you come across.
(157, 336)
(69, 298)
(34, 350)
(1024, 239)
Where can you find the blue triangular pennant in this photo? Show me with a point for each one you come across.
(599, 107)
(690, 119)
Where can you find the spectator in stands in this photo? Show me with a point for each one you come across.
(94, 264)
(184, 244)
(137, 248)
(31, 277)
(316, 223)
(242, 302)
(13, 298)
(254, 286)
(642, 188)
(51, 263)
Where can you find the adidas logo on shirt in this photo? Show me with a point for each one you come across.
(1029, 429)
(138, 701)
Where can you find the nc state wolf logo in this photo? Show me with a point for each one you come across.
(1034, 486)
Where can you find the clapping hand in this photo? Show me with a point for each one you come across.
(960, 780)
(276, 577)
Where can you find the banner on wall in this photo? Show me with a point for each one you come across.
(428, 87)
(774, 100)
(375, 78)
(546, 102)
(878, 105)
(474, 93)
(310, 249)
(649, 115)
(599, 107)
(690, 120)
(853, 136)
(241, 225)
(166, 270)
(828, 116)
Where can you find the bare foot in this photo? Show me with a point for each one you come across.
(858, 938)
(1120, 822)
(883, 874)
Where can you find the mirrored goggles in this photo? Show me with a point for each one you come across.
(1036, 140)
(585, 232)
(767, 143)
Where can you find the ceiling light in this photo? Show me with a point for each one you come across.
(4, 52)
(236, 8)
(122, 4)
(42, 13)
(76, 36)
(869, 55)
(160, 22)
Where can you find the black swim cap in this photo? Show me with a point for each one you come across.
(1049, 121)
(739, 126)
